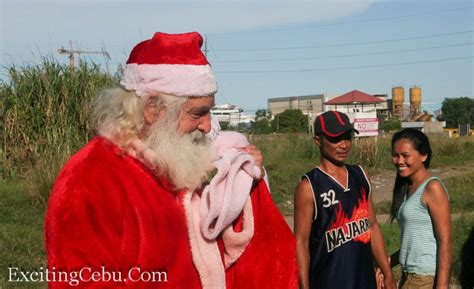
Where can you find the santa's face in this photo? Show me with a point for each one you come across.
(195, 115)
(181, 150)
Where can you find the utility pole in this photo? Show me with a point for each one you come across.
(205, 45)
(72, 51)
(309, 107)
(278, 124)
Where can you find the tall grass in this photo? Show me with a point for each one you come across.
(45, 112)
(287, 158)
(461, 196)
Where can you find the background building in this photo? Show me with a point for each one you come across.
(362, 109)
(357, 101)
(306, 103)
(232, 115)
(310, 105)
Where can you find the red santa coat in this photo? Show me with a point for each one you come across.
(108, 212)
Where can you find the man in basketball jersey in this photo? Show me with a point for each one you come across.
(337, 234)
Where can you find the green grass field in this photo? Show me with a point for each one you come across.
(21, 233)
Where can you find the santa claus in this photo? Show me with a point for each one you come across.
(136, 207)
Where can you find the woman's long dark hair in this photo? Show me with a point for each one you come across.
(420, 143)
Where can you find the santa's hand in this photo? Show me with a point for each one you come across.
(257, 156)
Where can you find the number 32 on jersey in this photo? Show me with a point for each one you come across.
(329, 198)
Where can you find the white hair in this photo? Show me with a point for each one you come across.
(118, 114)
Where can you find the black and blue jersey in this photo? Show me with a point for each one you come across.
(340, 251)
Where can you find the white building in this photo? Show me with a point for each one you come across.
(231, 114)
(308, 104)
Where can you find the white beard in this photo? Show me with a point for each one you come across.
(185, 159)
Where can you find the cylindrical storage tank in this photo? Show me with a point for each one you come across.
(415, 96)
(398, 95)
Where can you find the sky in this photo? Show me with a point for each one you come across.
(261, 49)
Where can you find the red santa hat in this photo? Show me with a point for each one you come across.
(172, 64)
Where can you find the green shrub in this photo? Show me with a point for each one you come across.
(451, 151)
(390, 125)
(46, 111)
(461, 196)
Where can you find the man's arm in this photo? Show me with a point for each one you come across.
(436, 200)
(304, 211)
(378, 245)
(378, 249)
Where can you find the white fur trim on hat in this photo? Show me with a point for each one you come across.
(176, 79)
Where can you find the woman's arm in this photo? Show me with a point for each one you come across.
(436, 200)
(304, 212)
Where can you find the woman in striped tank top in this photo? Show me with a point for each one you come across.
(421, 206)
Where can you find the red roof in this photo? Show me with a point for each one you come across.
(353, 97)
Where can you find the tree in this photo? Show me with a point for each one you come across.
(457, 111)
(381, 116)
(224, 125)
(290, 120)
(262, 122)
(390, 125)
(262, 114)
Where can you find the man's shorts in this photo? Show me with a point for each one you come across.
(415, 281)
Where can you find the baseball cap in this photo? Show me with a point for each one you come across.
(333, 124)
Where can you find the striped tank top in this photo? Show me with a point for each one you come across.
(418, 246)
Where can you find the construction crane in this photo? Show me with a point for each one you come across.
(72, 51)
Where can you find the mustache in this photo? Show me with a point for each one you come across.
(197, 136)
(185, 158)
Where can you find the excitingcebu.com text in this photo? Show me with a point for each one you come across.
(85, 274)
